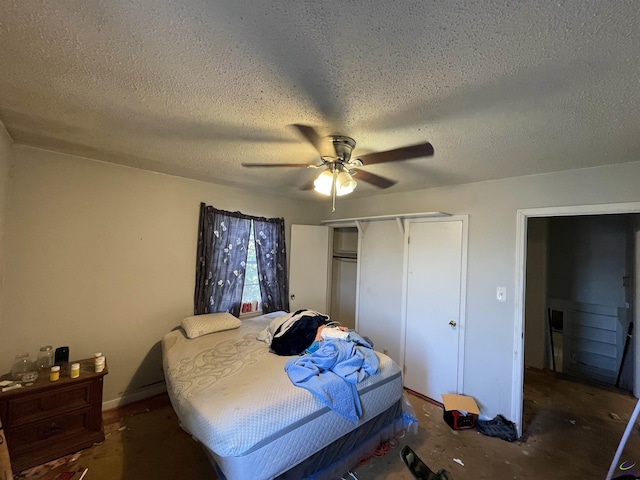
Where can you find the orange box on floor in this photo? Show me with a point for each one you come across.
(460, 411)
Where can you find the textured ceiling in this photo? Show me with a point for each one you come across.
(194, 87)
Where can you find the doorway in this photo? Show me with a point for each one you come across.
(344, 275)
(579, 296)
(523, 217)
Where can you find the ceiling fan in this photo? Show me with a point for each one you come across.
(339, 167)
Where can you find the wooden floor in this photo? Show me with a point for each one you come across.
(571, 432)
(116, 414)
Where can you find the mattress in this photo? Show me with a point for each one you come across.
(234, 396)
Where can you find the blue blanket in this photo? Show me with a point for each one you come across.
(332, 372)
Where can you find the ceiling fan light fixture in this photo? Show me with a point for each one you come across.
(337, 170)
(345, 184)
(324, 183)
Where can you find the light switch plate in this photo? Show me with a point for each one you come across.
(501, 294)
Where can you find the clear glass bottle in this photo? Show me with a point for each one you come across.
(45, 358)
(21, 364)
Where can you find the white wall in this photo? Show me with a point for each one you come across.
(101, 257)
(492, 208)
(139, 284)
(6, 157)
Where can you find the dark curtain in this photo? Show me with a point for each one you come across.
(221, 260)
(271, 256)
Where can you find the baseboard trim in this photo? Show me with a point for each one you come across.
(136, 396)
(425, 398)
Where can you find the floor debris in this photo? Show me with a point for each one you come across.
(458, 461)
(65, 476)
(614, 416)
(45, 470)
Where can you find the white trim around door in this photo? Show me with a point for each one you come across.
(463, 290)
(522, 216)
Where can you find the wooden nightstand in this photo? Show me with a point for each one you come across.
(51, 419)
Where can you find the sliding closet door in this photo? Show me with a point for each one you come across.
(434, 301)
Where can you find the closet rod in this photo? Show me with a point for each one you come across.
(345, 257)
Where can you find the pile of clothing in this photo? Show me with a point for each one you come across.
(333, 370)
(292, 333)
(332, 362)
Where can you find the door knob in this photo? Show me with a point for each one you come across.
(293, 297)
(452, 323)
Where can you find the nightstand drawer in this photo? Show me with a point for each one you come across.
(54, 429)
(32, 408)
(48, 420)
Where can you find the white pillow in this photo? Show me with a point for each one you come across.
(198, 325)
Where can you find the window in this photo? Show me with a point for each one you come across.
(251, 291)
(233, 247)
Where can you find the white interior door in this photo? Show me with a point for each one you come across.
(309, 268)
(434, 305)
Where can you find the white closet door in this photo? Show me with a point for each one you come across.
(433, 306)
(309, 268)
(380, 289)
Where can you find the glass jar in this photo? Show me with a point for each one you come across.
(45, 358)
(21, 364)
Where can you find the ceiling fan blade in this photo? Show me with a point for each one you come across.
(398, 154)
(312, 137)
(373, 179)
(252, 165)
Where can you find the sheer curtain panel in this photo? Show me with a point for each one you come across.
(271, 257)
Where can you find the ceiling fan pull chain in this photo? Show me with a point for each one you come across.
(333, 190)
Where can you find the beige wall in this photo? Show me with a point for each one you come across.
(101, 257)
(492, 207)
(6, 157)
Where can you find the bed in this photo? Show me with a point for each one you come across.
(234, 397)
